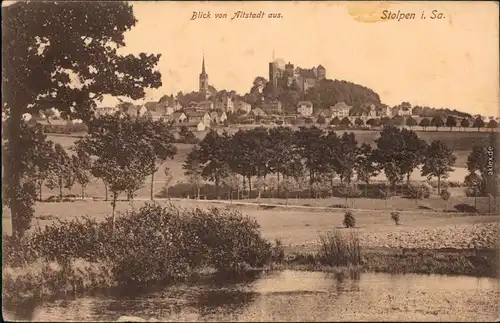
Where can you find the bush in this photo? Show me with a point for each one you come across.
(395, 216)
(445, 195)
(471, 192)
(349, 220)
(338, 249)
(417, 191)
(466, 208)
(157, 244)
(347, 191)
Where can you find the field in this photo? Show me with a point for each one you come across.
(460, 142)
(300, 226)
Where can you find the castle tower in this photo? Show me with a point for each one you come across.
(204, 79)
(321, 72)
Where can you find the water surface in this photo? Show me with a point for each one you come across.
(291, 296)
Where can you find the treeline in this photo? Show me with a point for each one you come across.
(282, 159)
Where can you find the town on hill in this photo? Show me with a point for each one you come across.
(291, 96)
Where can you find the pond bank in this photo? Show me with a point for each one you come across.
(466, 262)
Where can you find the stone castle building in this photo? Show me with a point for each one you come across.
(304, 78)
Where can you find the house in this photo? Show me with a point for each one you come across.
(372, 111)
(305, 108)
(100, 111)
(177, 117)
(197, 116)
(340, 110)
(205, 105)
(404, 111)
(225, 104)
(218, 116)
(155, 115)
(386, 111)
(258, 112)
(242, 106)
(272, 107)
(325, 114)
(201, 126)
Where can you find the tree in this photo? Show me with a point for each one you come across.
(372, 123)
(157, 145)
(35, 165)
(437, 122)
(345, 122)
(492, 124)
(465, 123)
(410, 122)
(284, 158)
(213, 156)
(168, 179)
(321, 120)
(233, 183)
(398, 121)
(474, 182)
(438, 161)
(478, 123)
(193, 170)
(413, 152)
(62, 175)
(335, 122)
(451, 122)
(118, 152)
(347, 157)
(309, 145)
(424, 123)
(81, 168)
(385, 121)
(53, 43)
(365, 165)
(359, 122)
(481, 161)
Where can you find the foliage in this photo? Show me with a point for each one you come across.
(424, 123)
(157, 244)
(478, 123)
(395, 216)
(417, 192)
(339, 249)
(54, 43)
(349, 220)
(445, 195)
(438, 161)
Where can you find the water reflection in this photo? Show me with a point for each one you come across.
(287, 295)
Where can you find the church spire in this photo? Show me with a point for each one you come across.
(203, 65)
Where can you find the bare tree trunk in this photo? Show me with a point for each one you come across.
(106, 191)
(439, 185)
(40, 189)
(249, 186)
(83, 192)
(152, 186)
(278, 174)
(113, 205)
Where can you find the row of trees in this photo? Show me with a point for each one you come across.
(437, 122)
(314, 155)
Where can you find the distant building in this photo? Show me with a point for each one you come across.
(340, 110)
(258, 112)
(196, 117)
(201, 126)
(273, 107)
(218, 117)
(178, 117)
(225, 104)
(304, 78)
(386, 111)
(206, 105)
(242, 106)
(305, 108)
(204, 87)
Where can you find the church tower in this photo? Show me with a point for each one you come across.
(204, 79)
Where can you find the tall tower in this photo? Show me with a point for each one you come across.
(204, 79)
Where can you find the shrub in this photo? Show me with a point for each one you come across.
(347, 191)
(417, 191)
(338, 249)
(395, 216)
(156, 244)
(445, 195)
(471, 192)
(349, 220)
(466, 208)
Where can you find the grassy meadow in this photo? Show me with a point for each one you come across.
(460, 142)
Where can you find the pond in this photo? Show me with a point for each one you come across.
(289, 296)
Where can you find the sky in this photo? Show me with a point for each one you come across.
(451, 62)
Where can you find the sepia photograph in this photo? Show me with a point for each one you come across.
(224, 161)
